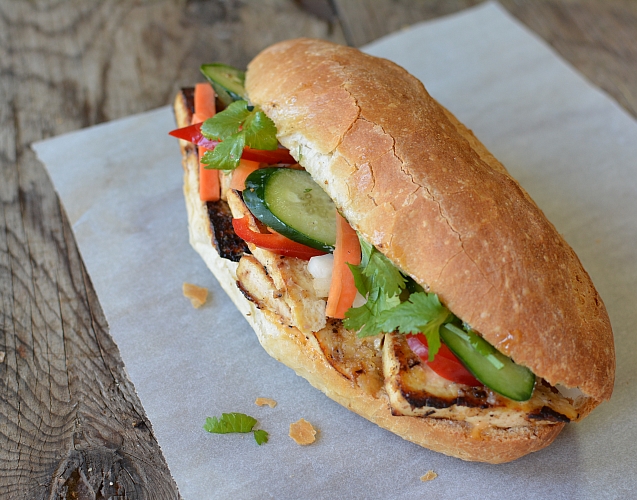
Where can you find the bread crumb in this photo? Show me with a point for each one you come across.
(196, 294)
(302, 432)
(430, 476)
(265, 401)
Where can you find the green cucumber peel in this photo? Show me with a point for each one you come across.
(495, 370)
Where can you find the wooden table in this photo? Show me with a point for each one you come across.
(71, 425)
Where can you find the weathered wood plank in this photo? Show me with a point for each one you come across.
(598, 37)
(366, 20)
(71, 425)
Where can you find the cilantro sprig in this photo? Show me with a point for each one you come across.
(237, 126)
(383, 285)
(379, 280)
(423, 313)
(235, 422)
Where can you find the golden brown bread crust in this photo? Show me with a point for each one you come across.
(419, 186)
(304, 355)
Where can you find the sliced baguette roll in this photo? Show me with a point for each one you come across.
(419, 186)
(302, 353)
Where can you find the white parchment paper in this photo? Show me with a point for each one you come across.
(571, 147)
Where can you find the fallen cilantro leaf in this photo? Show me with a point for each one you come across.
(260, 436)
(235, 422)
(230, 422)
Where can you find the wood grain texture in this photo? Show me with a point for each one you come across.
(598, 37)
(366, 20)
(71, 425)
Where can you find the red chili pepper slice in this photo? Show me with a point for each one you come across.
(280, 155)
(192, 133)
(445, 364)
(274, 242)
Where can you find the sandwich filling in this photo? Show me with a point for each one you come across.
(381, 355)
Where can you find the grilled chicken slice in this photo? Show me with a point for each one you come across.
(289, 279)
(415, 389)
(257, 286)
(357, 359)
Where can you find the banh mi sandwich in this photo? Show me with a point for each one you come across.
(379, 250)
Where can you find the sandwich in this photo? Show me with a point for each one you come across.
(378, 249)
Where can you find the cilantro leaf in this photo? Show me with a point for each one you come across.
(384, 274)
(237, 126)
(381, 282)
(368, 319)
(380, 271)
(227, 122)
(261, 437)
(376, 272)
(422, 312)
(360, 281)
(230, 422)
(357, 317)
(226, 154)
(366, 252)
(378, 279)
(235, 422)
(260, 131)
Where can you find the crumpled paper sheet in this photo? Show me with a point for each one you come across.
(571, 147)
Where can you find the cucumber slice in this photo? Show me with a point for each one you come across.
(228, 82)
(291, 203)
(488, 365)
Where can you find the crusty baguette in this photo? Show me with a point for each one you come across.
(418, 185)
(301, 353)
(350, 151)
